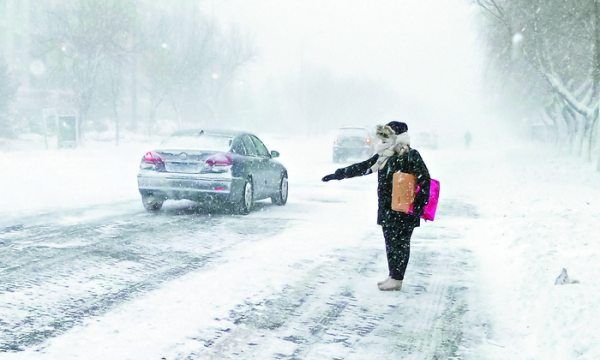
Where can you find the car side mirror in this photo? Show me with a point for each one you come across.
(274, 153)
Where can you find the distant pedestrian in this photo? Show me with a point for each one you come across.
(394, 154)
(468, 139)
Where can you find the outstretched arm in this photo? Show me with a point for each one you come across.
(358, 169)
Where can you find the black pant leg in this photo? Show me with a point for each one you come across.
(397, 246)
(404, 244)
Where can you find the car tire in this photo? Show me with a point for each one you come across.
(152, 203)
(246, 202)
(280, 198)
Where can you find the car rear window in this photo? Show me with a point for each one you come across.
(351, 132)
(210, 142)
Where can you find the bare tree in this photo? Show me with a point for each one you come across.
(84, 37)
(189, 66)
(233, 51)
(558, 59)
(174, 59)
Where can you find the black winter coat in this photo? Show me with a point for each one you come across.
(411, 163)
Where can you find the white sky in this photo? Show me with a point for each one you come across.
(426, 49)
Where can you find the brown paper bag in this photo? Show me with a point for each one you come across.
(403, 191)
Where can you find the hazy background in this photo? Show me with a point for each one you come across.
(127, 68)
(150, 67)
(415, 61)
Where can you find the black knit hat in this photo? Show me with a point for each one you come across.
(398, 127)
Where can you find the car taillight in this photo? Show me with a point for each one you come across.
(152, 161)
(219, 162)
(368, 141)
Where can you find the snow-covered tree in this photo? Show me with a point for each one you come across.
(549, 50)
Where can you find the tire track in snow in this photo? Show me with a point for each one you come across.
(335, 311)
(54, 276)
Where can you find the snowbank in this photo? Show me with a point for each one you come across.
(539, 213)
(46, 180)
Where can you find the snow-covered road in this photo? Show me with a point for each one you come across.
(60, 269)
(112, 281)
(106, 280)
(60, 273)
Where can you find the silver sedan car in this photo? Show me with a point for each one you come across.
(220, 167)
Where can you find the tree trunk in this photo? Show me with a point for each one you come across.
(151, 120)
(595, 77)
(555, 124)
(593, 136)
(583, 133)
(571, 123)
(178, 114)
(134, 95)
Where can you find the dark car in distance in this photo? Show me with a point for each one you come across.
(212, 166)
(352, 142)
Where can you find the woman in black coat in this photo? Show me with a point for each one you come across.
(393, 155)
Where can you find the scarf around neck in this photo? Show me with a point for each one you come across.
(393, 145)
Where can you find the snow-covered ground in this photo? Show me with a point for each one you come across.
(35, 180)
(539, 213)
(86, 273)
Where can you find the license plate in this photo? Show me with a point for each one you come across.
(182, 168)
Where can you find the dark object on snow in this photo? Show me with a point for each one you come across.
(67, 134)
(564, 279)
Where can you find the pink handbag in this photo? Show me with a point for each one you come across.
(434, 195)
